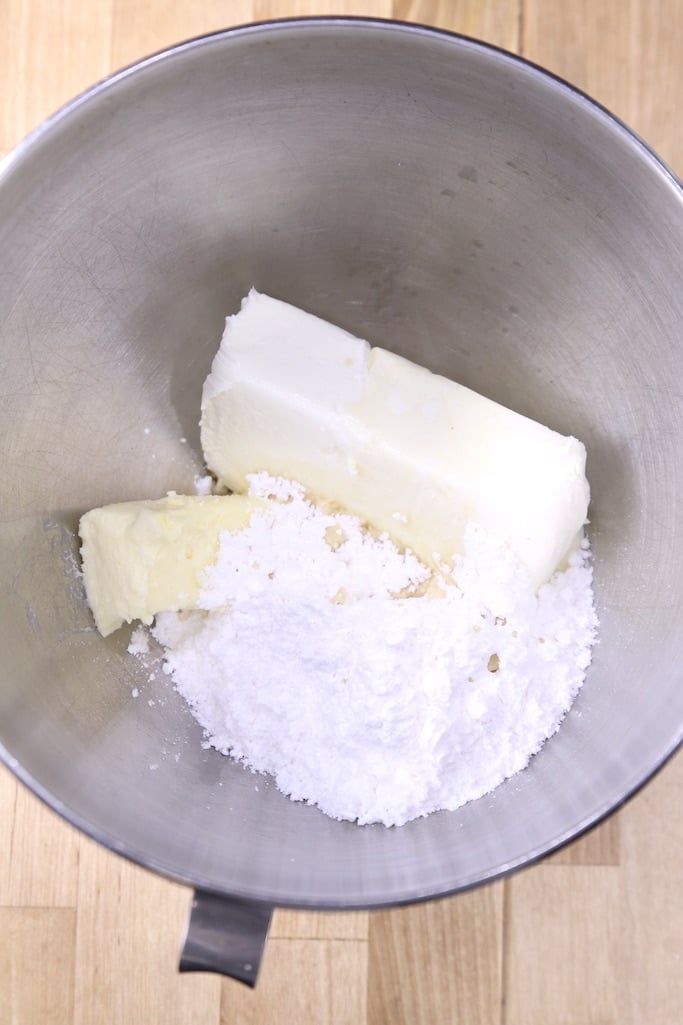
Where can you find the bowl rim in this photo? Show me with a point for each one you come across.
(11, 162)
(331, 21)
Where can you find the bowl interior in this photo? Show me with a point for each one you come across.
(434, 196)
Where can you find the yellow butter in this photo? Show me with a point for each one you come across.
(141, 558)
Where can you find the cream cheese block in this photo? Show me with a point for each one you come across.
(140, 558)
(408, 451)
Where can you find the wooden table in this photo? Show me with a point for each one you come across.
(593, 936)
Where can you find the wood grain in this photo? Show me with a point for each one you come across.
(129, 928)
(8, 795)
(603, 945)
(301, 925)
(495, 21)
(141, 27)
(438, 962)
(626, 53)
(563, 946)
(41, 861)
(592, 936)
(264, 9)
(48, 53)
(37, 952)
(322, 982)
(650, 980)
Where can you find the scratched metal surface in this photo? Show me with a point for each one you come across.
(431, 196)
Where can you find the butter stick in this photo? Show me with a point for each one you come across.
(141, 558)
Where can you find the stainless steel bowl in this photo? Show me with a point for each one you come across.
(437, 196)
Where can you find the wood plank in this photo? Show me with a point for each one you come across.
(8, 797)
(130, 925)
(564, 946)
(40, 855)
(437, 962)
(627, 55)
(49, 52)
(264, 9)
(599, 847)
(36, 965)
(650, 982)
(141, 27)
(494, 21)
(303, 982)
(317, 925)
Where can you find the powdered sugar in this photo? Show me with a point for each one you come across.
(362, 682)
(203, 484)
(139, 642)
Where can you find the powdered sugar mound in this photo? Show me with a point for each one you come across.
(375, 707)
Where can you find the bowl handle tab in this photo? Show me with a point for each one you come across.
(225, 935)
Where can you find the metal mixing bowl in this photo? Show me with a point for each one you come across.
(436, 196)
